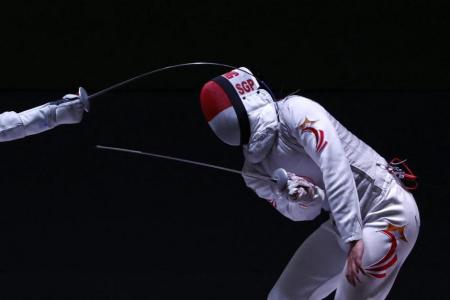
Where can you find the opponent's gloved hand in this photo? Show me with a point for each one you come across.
(82, 97)
(68, 110)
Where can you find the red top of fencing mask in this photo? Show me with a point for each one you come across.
(221, 102)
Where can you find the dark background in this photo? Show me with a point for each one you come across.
(83, 224)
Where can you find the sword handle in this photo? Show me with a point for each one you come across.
(280, 177)
(84, 98)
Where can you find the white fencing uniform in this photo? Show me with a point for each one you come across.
(364, 201)
(15, 126)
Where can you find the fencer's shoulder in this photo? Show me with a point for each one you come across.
(298, 106)
(296, 101)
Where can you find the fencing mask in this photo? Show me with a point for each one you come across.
(228, 101)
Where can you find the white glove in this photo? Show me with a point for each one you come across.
(302, 190)
(299, 199)
(68, 110)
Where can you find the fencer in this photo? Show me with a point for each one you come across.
(374, 221)
(68, 110)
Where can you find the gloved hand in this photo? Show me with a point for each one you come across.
(70, 108)
(302, 190)
(297, 197)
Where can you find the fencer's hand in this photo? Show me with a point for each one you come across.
(354, 262)
(82, 97)
(300, 189)
(68, 110)
(70, 97)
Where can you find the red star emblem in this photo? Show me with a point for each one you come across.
(397, 231)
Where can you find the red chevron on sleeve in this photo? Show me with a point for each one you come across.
(321, 143)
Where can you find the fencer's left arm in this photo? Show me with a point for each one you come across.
(68, 110)
(318, 137)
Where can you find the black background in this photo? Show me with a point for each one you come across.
(79, 223)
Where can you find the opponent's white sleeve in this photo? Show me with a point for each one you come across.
(15, 126)
(318, 137)
(279, 200)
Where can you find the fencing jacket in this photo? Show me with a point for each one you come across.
(299, 135)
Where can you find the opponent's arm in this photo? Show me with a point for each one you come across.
(14, 125)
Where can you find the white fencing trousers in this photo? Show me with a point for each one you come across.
(318, 266)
